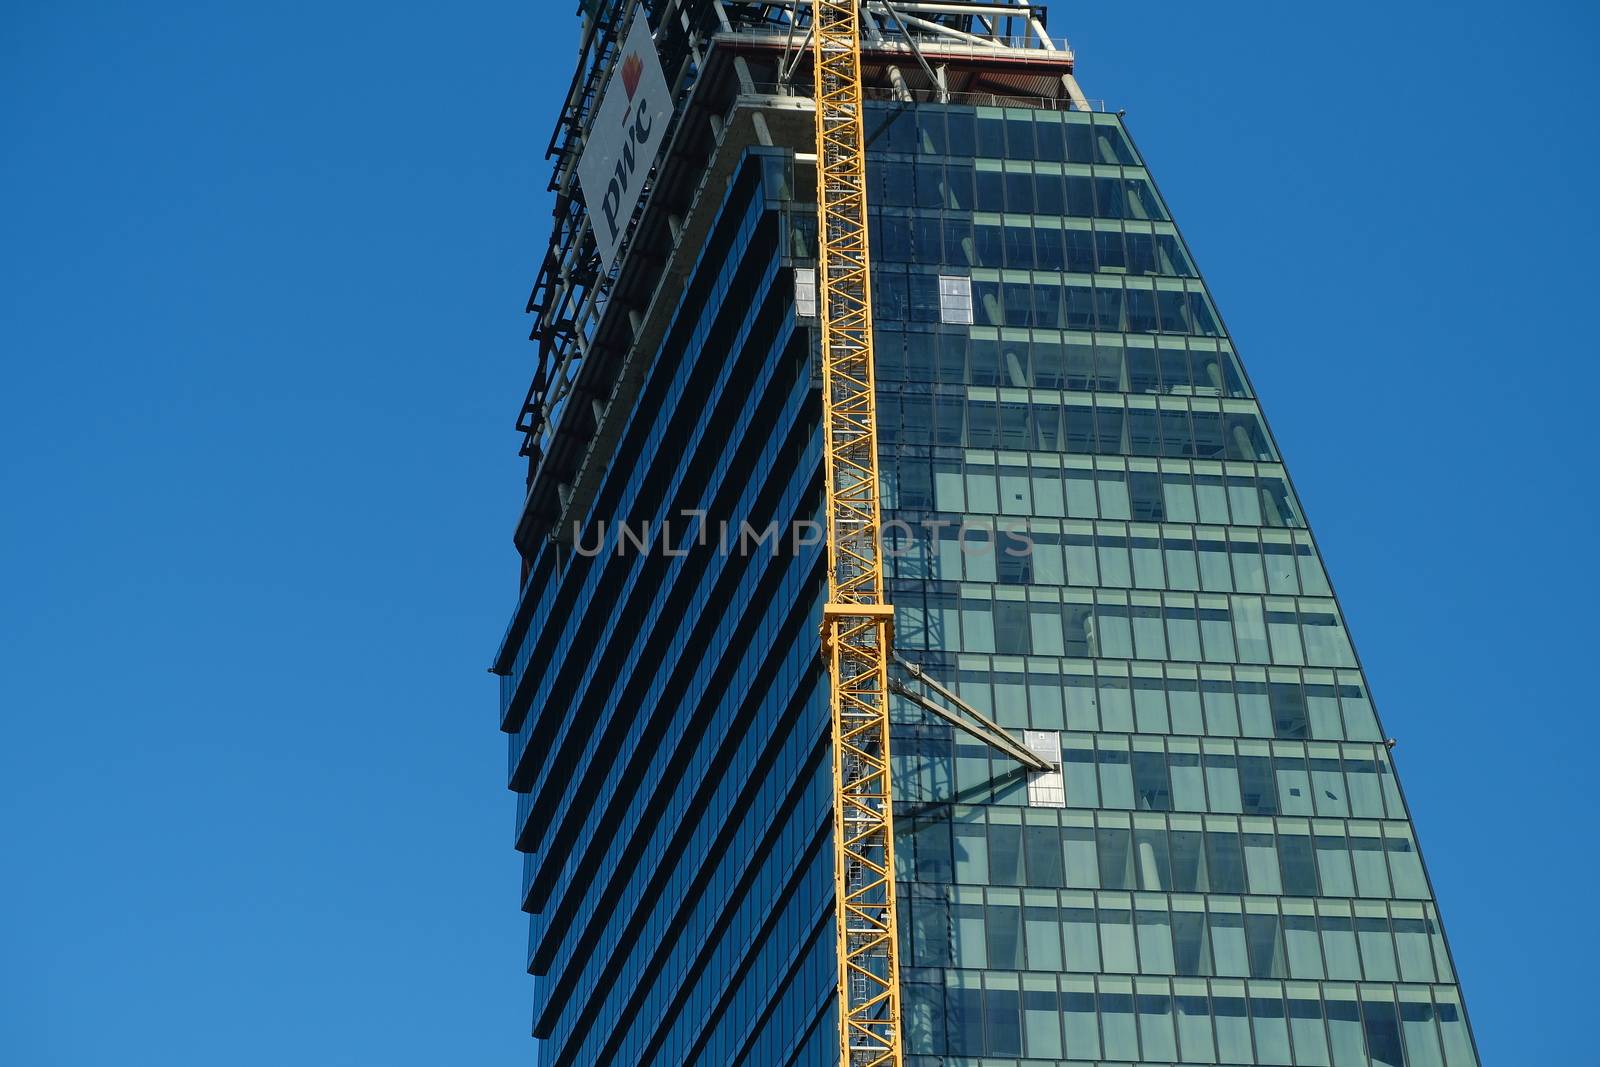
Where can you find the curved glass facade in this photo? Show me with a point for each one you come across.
(1093, 537)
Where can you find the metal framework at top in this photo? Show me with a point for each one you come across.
(583, 316)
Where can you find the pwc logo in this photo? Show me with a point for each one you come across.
(637, 122)
(632, 70)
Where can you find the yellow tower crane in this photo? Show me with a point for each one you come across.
(857, 621)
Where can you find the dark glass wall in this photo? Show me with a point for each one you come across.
(666, 709)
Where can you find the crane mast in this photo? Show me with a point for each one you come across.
(857, 622)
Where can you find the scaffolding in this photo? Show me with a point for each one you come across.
(715, 54)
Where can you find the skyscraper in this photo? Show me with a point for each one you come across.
(1145, 811)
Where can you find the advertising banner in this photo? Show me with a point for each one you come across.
(623, 139)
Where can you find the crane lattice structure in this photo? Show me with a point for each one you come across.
(857, 621)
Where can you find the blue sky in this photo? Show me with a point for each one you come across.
(264, 270)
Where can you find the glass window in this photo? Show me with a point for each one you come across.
(1079, 249)
(1116, 858)
(1113, 489)
(1214, 572)
(1019, 137)
(1345, 1032)
(1111, 198)
(931, 138)
(1194, 1027)
(1228, 945)
(1183, 632)
(1117, 1024)
(1283, 630)
(1377, 949)
(1383, 1032)
(1012, 629)
(1044, 857)
(1269, 1022)
(1339, 950)
(1114, 565)
(1155, 1026)
(1004, 1022)
(1277, 507)
(1080, 696)
(1261, 864)
(1294, 785)
(1155, 942)
(1412, 947)
(964, 1007)
(1171, 258)
(1418, 1029)
(1207, 435)
(971, 851)
(1081, 504)
(1112, 143)
(1305, 1028)
(1152, 788)
(1212, 499)
(1372, 874)
(1298, 865)
(1041, 1022)
(1302, 946)
(1005, 854)
(1188, 861)
(1312, 578)
(1082, 1024)
(1149, 642)
(1289, 718)
(1116, 710)
(1182, 571)
(1081, 936)
(1052, 144)
(991, 135)
(1080, 142)
(1221, 708)
(955, 299)
(1019, 192)
(1183, 697)
(1191, 946)
(1405, 864)
(1255, 715)
(1216, 631)
(1360, 722)
(1333, 866)
(1188, 786)
(1081, 862)
(1248, 573)
(961, 130)
(1233, 1027)
(971, 940)
(1453, 1030)
(1222, 782)
(1043, 930)
(1142, 258)
(1245, 502)
(1257, 787)
(1266, 951)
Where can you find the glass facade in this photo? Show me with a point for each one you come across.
(1090, 536)
(664, 704)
